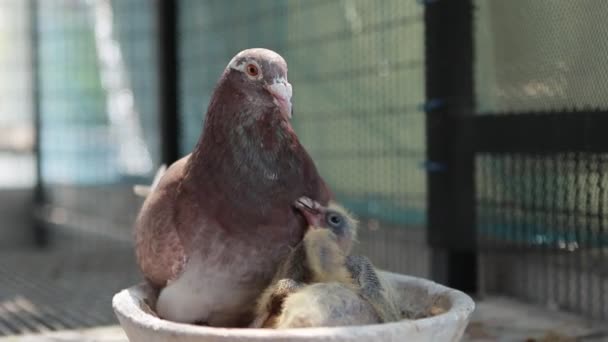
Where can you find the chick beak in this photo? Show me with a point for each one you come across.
(310, 211)
(281, 92)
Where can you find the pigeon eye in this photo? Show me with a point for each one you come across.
(252, 70)
(334, 220)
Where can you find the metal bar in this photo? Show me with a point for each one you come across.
(552, 189)
(578, 203)
(602, 250)
(586, 245)
(518, 216)
(571, 222)
(451, 205)
(39, 229)
(167, 12)
(540, 133)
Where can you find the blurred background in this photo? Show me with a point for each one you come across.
(468, 136)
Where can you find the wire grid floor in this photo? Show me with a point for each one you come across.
(66, 286)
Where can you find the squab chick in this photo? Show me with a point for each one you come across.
(320, 284)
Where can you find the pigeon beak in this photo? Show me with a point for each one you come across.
(311, 211)
(281, 91)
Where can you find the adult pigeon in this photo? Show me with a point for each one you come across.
(212, 232)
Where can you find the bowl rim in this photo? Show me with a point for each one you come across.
(126, 306)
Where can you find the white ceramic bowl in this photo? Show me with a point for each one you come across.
(415, 294)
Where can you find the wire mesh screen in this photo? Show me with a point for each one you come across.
(543, 220)
(16, 119)
(96, 74)
(540, 56)
(98, 108)
(357, 72)
(17, 160)
(542, 217)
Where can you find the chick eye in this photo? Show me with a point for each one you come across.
(334, 220)
(252, 70)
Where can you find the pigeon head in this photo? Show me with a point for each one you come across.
(261, 74)
(333, 217)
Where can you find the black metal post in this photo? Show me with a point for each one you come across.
(451, 189)
(168, 79)
(40, 230)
